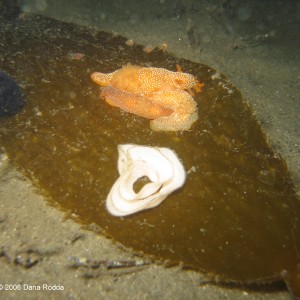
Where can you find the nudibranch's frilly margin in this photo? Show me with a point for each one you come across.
(154, 93)
(160, 165)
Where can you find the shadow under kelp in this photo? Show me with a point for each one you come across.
(235, 219)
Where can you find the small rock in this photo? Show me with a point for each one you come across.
(11, 99)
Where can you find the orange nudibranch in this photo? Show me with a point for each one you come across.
(154, 93)
(135, 104)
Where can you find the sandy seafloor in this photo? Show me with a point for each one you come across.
(254, 43)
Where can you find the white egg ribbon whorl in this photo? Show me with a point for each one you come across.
(160, 165)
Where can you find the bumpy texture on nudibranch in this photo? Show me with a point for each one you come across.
(154, 93)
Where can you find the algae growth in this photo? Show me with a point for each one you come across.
(236, 216)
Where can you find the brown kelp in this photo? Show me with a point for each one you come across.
(237, 216)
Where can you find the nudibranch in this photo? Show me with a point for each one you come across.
(158, 94)
(160, 165)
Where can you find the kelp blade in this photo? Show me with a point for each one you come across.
(237, 216)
